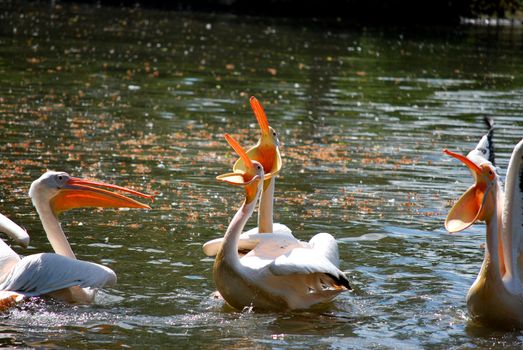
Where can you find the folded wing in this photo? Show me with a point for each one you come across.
(307, 261)
(513, 215)
(40, 274)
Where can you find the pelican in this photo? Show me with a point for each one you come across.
(267, 153)
(270, 276)
(496, 296)
(8, 258)
(61, 275)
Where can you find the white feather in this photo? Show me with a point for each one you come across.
(248, 240)
(513, 218)
(40, 274)
(303, 261)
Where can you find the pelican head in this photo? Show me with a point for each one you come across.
(249, 177)
(479, 201)
(266, 151)
(64, 192)
(484, 150)
(14, 231)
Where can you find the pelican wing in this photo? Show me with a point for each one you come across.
(269, 248)
(249, 240)
(326, 245)
(40, 274)
(246, 242)
(513, 212)
(8, 259)
(307, 261)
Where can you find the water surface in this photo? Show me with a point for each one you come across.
(142, 98)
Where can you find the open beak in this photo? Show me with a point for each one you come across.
(260, 115)
(247, 178)
(14, 231)
(80, 193)
(277, 164)
(470, 164)
(267, 154)
(266, 151)
(469, 207)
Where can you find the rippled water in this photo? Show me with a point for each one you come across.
(143, 98)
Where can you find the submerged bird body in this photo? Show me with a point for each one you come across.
(496, 296)
(272, 275)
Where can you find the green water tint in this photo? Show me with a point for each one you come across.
(142, 98)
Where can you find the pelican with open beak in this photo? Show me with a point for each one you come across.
(269, 276)
(267, 153)
(496, 296)
(61, 275)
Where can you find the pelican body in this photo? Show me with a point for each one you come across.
(496, 296)
(270, 276)
(60, 275)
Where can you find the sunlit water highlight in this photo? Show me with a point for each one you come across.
(143, 98)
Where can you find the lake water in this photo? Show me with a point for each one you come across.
(142, 98)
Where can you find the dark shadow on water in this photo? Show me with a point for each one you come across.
(373, 12)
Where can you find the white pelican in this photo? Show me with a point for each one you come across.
(270, 276)
(267, 153)
(60, 275)
(496, 296)
(8, 258)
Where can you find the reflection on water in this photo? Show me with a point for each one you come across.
(143, 98)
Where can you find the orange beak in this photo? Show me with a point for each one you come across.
(247, 178)
(80, 193)
(472, 166)
(260, 115)
(469, 207)
(266, 150)
(241, 152)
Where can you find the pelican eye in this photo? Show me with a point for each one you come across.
(491, 174)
